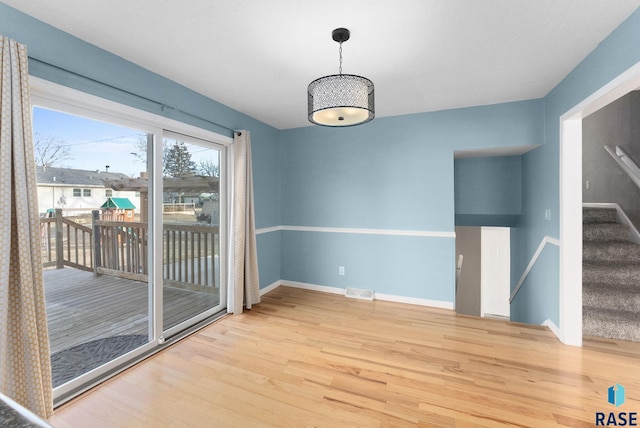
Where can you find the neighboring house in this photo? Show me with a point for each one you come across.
(77, 191)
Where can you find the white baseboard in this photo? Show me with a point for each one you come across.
(314, 287)
(376, 296)
(414, 301)
(554, 328)
(270, 287)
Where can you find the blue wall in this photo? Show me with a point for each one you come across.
(59, 57)
(488, 191)
(410, 266)
(392, 174)
(535, 302)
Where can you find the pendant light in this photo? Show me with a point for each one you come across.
(340, 99)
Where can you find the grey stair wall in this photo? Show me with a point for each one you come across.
(610, 277)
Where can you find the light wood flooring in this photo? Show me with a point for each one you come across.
(82, 308)
(304, 358)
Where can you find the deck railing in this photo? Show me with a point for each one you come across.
(120, 248)
(189, 251)
(66, 243)
(189, 255)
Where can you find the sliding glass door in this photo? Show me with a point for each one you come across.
(133, 223)
(191, 227)
(92, 189)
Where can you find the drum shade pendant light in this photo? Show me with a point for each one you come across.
(340, 99)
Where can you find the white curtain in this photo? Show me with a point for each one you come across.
(25, 365)
(245, 281)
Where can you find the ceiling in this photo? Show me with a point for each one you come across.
(258, 56)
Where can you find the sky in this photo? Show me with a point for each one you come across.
(94, 144)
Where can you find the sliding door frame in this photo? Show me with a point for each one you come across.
(53, 96)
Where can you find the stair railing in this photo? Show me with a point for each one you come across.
(626, 163)
(458, 271)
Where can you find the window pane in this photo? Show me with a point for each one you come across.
(92, 319)
(191, 230)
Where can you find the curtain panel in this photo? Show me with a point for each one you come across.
(25, 365)
(245, 283)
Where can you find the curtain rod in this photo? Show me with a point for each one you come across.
(163, 107)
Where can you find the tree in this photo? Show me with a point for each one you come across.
(208, 168)
(141, 145)
(178, 161)
(49, 152)
(141, 153)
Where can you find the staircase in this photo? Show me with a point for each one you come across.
(610, 277)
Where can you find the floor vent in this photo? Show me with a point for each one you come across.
(358, 293)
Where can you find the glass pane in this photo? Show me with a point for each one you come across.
(191, 230)
(94, 247)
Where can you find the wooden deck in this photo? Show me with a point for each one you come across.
(81, 307)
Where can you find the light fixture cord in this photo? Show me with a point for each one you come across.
(340, 70)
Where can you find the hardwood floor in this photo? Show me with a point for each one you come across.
(303, 358)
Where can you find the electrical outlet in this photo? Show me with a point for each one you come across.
(547, 214)
(340, 270)
(587, 185)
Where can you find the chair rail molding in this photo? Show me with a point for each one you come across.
(392, 232)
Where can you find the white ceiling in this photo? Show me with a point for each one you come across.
(258, 56)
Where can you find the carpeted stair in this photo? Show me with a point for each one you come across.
(610, 277)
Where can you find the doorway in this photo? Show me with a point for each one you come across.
(496, 272)
(483, 284)
(571, 200)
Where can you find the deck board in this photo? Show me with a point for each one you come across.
(81, 307)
